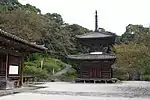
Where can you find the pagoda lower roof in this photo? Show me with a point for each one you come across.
(96, 35)
(92, 57)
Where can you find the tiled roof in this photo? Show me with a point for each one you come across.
(96, 35)
(20, 40)
(92, 56)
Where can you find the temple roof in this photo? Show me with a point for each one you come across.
(9, 36)
(92, 56)
(96, 35)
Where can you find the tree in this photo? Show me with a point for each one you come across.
(133, 58)
(29, 26)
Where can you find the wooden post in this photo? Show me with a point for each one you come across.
(21, 71)
(6, 75)
(111, 73)
(42, 62)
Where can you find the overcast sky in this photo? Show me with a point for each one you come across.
(114, 15)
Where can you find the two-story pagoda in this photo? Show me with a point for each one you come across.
(96, 65)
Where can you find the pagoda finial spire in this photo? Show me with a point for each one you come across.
(96, 21)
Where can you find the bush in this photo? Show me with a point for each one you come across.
(146, 77)
(36, 72)
(48, 66)
(120, 74)
(33, 68)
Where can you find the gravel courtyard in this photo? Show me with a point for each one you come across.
(131, 90)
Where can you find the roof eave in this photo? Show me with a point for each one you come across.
(71, 57)
(20, 40)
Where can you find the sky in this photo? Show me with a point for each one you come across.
(113, 15)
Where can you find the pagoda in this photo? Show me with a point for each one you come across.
(95, 66)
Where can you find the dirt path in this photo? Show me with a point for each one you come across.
(72, 91)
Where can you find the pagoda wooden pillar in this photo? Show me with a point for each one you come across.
(111, 73)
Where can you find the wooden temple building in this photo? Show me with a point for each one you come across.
(96, 64)
(12, 52)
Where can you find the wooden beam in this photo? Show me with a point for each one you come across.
(11, 52)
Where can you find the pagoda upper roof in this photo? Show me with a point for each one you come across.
(96, 35)
(92, 56)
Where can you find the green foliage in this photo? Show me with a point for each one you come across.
(134, 52)
(9, 5)
(35, 56)
(36, 72)
(3, 8)
(69, 76)
(29, 26)
(146, 77)
(33, 68)
(134, 33)
(29, 8)
(120, 74)
(55, 17)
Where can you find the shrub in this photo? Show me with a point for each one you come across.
(36, 72)
(146, 77)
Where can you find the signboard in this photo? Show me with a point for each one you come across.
(13, 69)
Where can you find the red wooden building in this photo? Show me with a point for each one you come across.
(12, 52)
(96, 64)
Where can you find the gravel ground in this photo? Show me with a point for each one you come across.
(131, 90)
